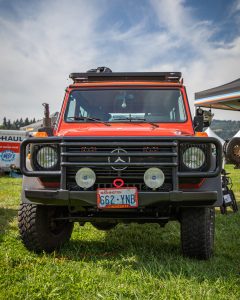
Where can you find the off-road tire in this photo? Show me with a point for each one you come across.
(233, 151)
(104, 225)
(197, 232)
(37, 229)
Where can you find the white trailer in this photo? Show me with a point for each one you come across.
(10, 141)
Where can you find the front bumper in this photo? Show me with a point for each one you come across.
(146, 199)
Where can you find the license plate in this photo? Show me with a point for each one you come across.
(117, 198)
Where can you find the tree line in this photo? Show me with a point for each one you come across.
(225, 129)
(16, 124)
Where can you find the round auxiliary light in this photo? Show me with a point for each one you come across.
(47, 157)
(154, 178)
(194, 158)
(85, 178)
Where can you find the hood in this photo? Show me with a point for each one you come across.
(134, 129)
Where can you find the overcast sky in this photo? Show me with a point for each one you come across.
(42, 41)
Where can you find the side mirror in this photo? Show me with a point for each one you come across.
(207, 118)
(202, 119)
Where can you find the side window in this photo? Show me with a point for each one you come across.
(72, 108)
(182, 114)
(75, 109)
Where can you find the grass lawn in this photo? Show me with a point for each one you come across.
(129, 262)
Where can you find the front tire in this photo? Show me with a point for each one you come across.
(197, 232)
(38, 231)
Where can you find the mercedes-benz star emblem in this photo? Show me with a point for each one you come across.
(119, 159)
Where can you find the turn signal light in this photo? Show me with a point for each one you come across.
(201, 134)
(40, 134)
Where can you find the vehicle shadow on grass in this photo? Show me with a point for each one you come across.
(6, 217)
(124, 240)
(148, 248)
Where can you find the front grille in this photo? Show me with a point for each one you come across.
(94, 152)
(127, 161)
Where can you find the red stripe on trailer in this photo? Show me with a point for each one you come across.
(15, 147)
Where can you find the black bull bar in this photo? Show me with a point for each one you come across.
(173, 142)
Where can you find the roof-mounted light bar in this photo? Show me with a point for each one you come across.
(127, 76)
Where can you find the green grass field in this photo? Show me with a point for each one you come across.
(129, 262)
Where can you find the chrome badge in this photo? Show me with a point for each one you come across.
(118, 158)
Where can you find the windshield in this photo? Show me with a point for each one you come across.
(126, 105)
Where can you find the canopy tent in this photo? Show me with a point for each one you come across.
(225, 96)
(211, 133)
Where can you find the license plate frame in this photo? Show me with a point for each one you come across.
(116, 195)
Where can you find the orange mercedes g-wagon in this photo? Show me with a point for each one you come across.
(124, 149)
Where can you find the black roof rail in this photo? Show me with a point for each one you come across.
(126, 76)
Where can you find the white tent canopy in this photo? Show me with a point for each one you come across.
(211, 133)
(237, 134)
(226, 97)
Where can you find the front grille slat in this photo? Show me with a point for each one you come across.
(92, 164)
(118, 144)
(107, 154)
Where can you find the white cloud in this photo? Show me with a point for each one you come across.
(39, 49)
(235, 7)
(38, 53)
(212, 64)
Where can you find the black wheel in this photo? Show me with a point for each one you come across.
(197, 232)
(39, 232)
(104, 225)
(233, 150)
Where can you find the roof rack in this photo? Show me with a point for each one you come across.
(126, 76)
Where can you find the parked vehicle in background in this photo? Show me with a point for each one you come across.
(233, 150)
(124, 150)
(10, 141)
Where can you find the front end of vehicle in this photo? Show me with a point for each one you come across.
(164, 170)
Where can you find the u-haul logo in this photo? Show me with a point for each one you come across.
(9, 138)
(7, 156)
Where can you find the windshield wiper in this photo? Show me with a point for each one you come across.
(89, 118)
(136, 119)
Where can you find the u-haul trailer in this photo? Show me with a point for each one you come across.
(10, 141)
